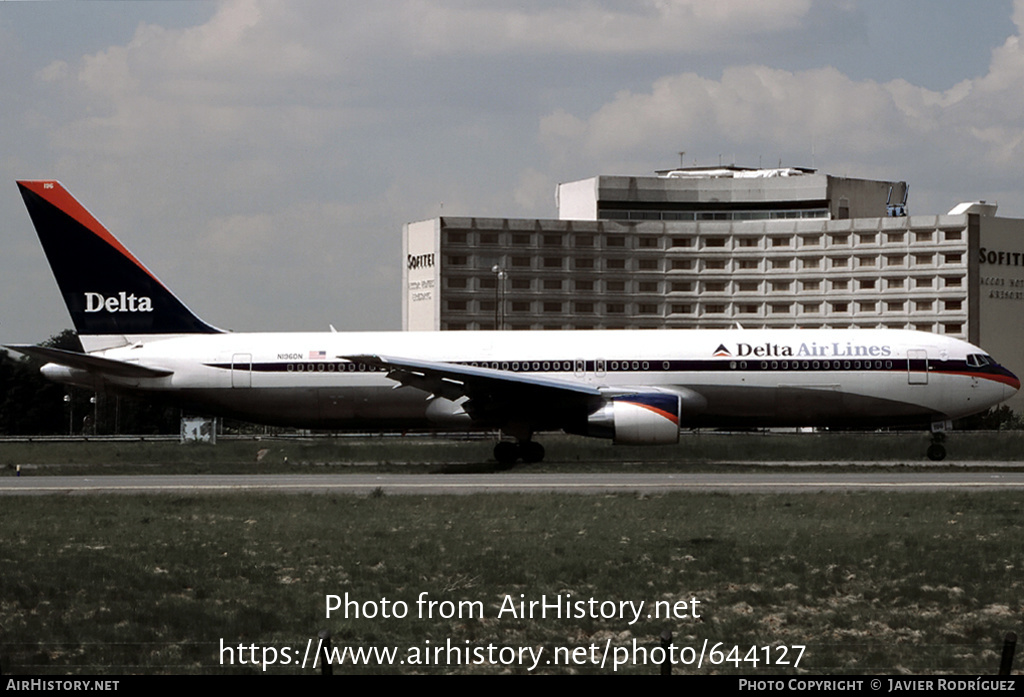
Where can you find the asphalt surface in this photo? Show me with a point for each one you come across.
(519, 482)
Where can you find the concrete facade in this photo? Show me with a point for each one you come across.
(961, 274)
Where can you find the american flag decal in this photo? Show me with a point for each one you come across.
(317, 354)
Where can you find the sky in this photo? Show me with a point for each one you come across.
(261, 156)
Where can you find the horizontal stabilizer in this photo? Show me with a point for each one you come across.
(93, 364)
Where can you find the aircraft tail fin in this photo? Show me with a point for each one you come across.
(108, 292)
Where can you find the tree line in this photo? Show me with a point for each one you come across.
(32, 405)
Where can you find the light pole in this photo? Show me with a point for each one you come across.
(499, 296)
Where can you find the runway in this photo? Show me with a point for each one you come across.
(516, 482)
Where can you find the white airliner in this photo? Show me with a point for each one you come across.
(635, 387)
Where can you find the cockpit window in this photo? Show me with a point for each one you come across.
(978, 360)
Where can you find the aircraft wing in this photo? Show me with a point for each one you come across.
(92, 364)
(494, 396)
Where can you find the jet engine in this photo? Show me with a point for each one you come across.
(638, 419)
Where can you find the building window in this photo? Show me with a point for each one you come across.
(867, 284)
(679, 309)
(552, 240)
(867, 237)
(583, 307)
(714, 309)
(923, 305)
(521, 238)
(615, 264)
(952, 236)
(953, 305)
(894, 306)
(952, 258)
(552, 306)
(715, 264)
(894, 260)
(811, 285)
(615, 286)
(779, 309)
(781, 286)
(840, 307)
(748, 286)
(457, 305)
(714, 242)
(583, 241)
(583, 263)
(922, 237)
(552, 262)
(867, 307)
(682, 286)
(748, 241)
(457, 260)
(647, 264)
(865, 261)
(552, 284)
(781, 241)
(648, 287)
(584, 285)
(647, 309)
(922, 283)
(952, 328)
(682, 241)
(615, 241)
(714, 287)
(682, 264)
(781, 263)
(811, 308)
(521, 306)
(521, 262)
(486, 282)
(649, 243)
(520, 284)
(839, 240)
(840, 262)
(810, 240)
(747, 264)
(894, 237)
(456, 237)
(840, 285)
(952, 281)
(488, 238)
(811, 263)
(615, 308)
(457, 283)
(922, 259)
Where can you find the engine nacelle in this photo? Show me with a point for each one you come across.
(638, 419)
(449, 413)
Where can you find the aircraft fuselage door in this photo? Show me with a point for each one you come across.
(917, 367)
(241, 370)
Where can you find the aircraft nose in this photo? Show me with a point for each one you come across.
(1011, 383)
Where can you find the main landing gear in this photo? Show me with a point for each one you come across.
(507, 453)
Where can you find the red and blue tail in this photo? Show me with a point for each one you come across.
(108, 292)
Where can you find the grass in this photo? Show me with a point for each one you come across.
(703, 450)
(870, 583)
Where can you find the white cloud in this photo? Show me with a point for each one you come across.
(975, 127)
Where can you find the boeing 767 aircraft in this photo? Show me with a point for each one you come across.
(634, 387)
